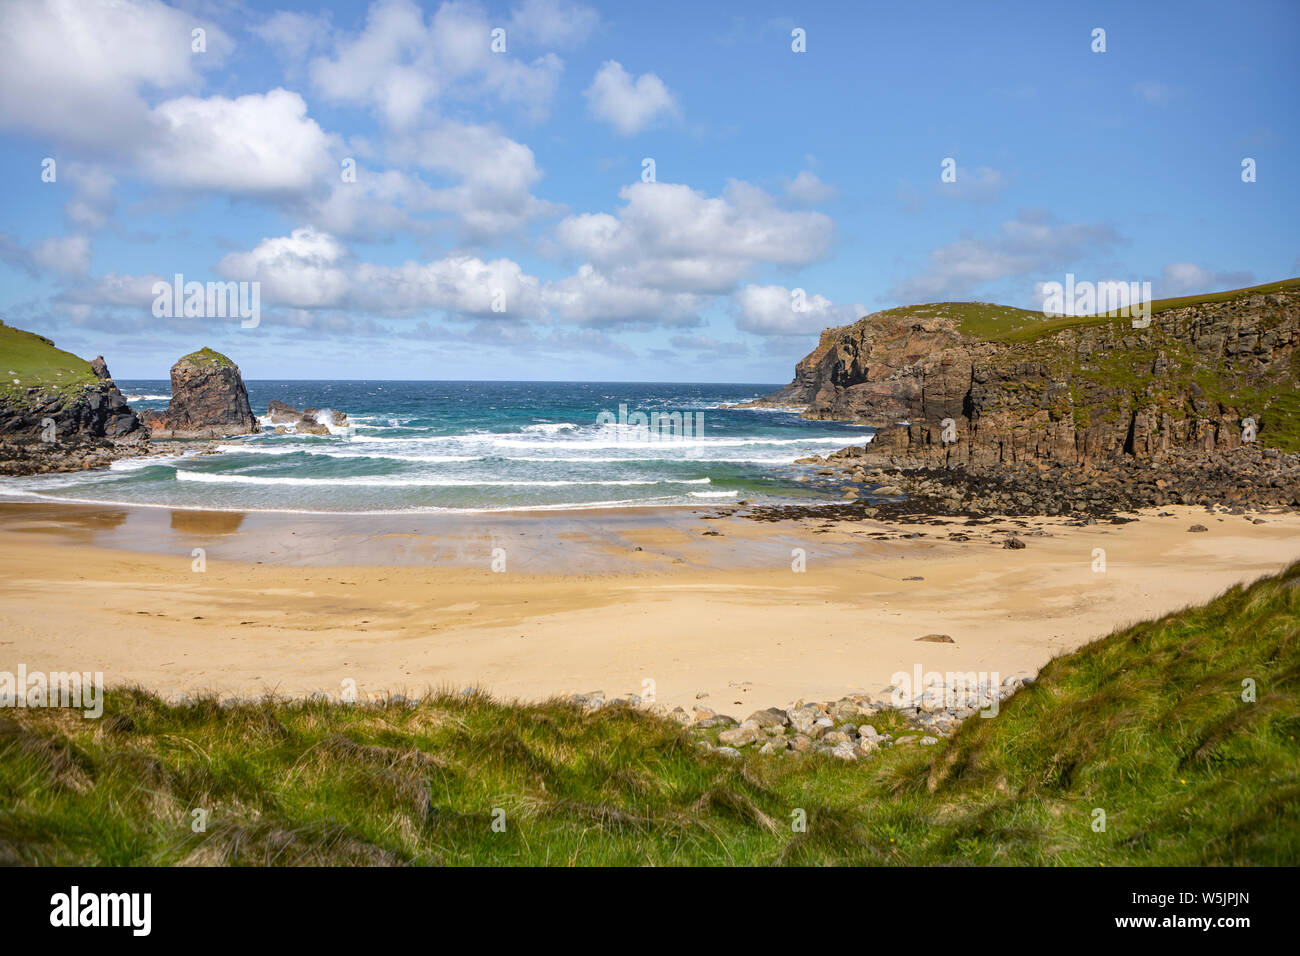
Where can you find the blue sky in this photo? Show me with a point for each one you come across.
(499, 226)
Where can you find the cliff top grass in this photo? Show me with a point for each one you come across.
(990, 322)
(33, 360)
(1038, 326)
(1155, 726)
(206, 357)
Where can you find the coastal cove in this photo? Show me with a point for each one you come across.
(705, 604)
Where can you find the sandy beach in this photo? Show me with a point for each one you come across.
(698, 606)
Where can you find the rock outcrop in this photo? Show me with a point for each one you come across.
(59, 412)
(208, 400)
(1077, 391)
(310, 421)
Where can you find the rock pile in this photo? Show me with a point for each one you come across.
(841, 728)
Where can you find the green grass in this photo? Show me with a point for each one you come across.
(986, 321)
(34, 360)
(208, 357)
(1039, 327)
(1147, 725)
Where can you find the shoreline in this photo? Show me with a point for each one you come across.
(698, 603)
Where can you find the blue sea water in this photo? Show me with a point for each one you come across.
(475, 446)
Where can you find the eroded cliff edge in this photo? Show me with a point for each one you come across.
(1022, 388)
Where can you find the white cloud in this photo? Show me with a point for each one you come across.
(552, 22)
(807, 187)
(671, 237)
(401, 66)
(627, 104)
(495, 173)
(1187, 278)
(310, 269)
(1033, 242)
(64, 256)
(259, 143)
(303, 269)
(73, 71)
(296, 34)
(776, 310)
(589, 298)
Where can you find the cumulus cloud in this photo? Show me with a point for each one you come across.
(496, 175)
(776, 310)
(73, 71)
(668, 236)
(400, 65)
(628, 104)
(589, 298)
(310, 269)
(259, 143)
(1032, 242)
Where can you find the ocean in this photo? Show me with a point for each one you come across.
(477, 446)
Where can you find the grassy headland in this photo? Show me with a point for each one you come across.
(28, 359)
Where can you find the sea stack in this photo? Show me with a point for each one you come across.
(209, 400)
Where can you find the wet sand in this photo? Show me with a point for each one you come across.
(623, 601)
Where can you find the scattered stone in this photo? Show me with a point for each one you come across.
(1013, 543)
(1198, 527)
(937, 639)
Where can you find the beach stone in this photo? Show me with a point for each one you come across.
(747, 733)
(866, 730)
(844, 751)
(769, 717)
(727, 752)
(867, 746)
(801, 743)
(1013, 543)
(905, 741)
(592, 700)
(937, 639)
(679, 715)
(1198, 527)
(835, 737)
(927, 741)
(777, 745)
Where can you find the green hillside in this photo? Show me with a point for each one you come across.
(1003, 323)
(1147, 725)
(32, 359)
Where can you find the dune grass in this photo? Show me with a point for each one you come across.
(1148, 725)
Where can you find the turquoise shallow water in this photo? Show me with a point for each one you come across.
(473, 446)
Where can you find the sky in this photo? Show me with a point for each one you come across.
(556, 190)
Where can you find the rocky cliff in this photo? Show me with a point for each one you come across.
(1018, 387)
(59, 412)
(208, 400)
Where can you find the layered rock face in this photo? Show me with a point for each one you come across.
(1092, 390)
(208, 400)
(67, 419)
